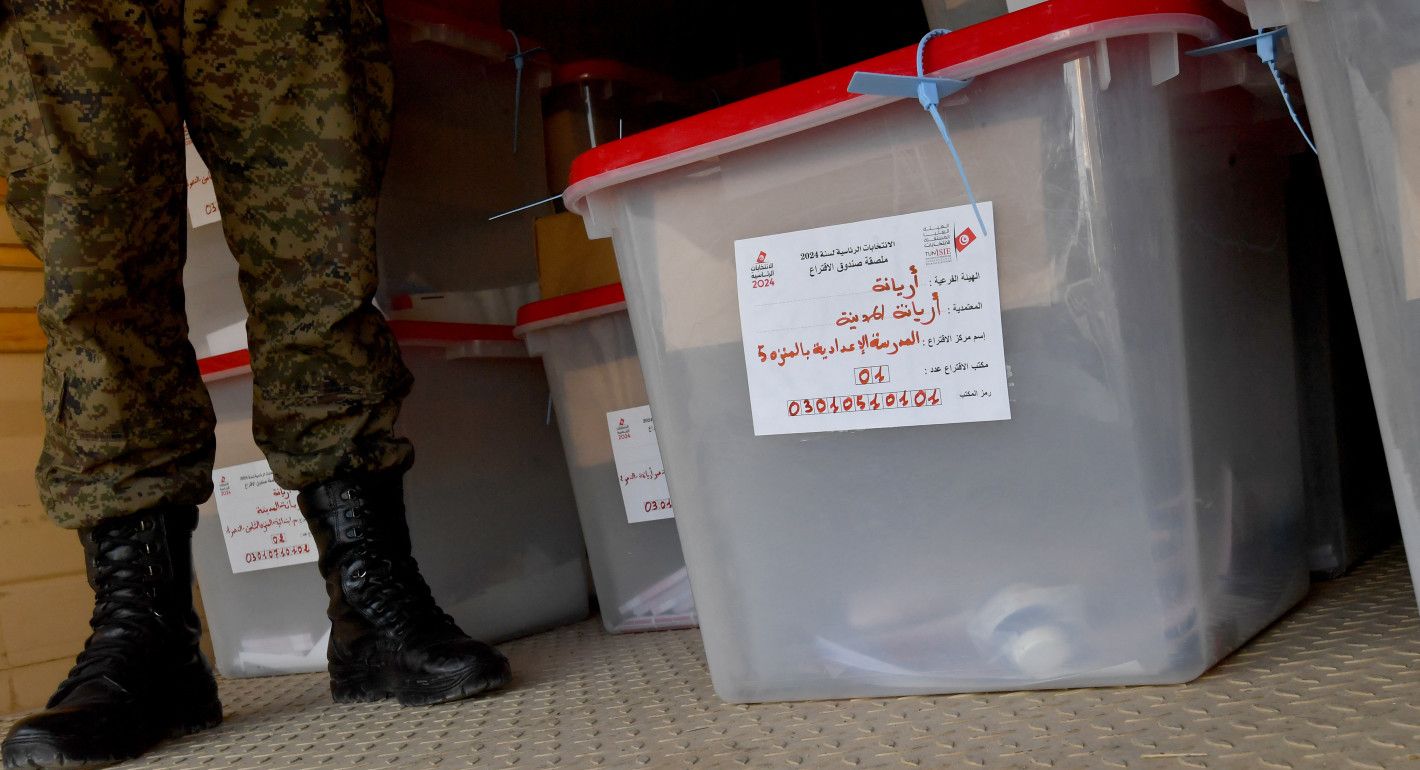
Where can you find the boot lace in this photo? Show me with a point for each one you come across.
(127, 622)
(394, 592)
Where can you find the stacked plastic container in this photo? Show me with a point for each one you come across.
(1137, 517)
(466, 144)
(491, 513)
(263, 622)
(592, 101)
(1359, 62)
(1351, 507)
(216, 314)
(586, 345)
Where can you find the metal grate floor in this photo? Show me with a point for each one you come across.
(1334, 685)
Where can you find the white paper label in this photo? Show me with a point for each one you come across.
(261, 523)
(884, 323)
(639, 469)
(201, 195)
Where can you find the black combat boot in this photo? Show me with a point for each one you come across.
(141, 677)
(388, 637)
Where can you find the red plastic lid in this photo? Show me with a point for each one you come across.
(606, 69)
(225, 364)
(994, 44)
(427, 14)
(423, 334)
(569, 308)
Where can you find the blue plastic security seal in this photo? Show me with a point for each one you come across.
(929, 92)
(1266, 43)
(519, 57)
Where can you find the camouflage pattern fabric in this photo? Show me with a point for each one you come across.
(288, 101)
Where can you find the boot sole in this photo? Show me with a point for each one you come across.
(366, 685)
(39, 752)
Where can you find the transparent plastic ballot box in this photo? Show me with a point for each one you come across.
(1359, 64)
(491, 512)
(216, 314)
(917, 450)
(466, 143)
(638, 570)
(592, 101)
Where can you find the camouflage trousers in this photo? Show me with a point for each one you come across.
(288, 101)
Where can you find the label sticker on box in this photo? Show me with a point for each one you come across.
(639, 469)
(201, 195)
(883, 323)
(261, 523)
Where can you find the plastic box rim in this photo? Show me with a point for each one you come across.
(424, 334)
(992, 45)
(569, 308)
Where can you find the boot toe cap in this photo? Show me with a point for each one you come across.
(75, 737)
(461, 656)
(452, 670)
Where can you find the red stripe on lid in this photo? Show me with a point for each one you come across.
(418, 12)
(223, 362)
(1039, 23)
(426, 332)
(610, 296)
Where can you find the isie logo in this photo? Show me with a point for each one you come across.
(761, 272)
(623, 431)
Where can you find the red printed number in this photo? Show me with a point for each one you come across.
(872, 375)
(870, 402)
(278, 553)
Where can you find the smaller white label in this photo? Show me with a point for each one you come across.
(261, 523)
(639, 469)
(201, 195)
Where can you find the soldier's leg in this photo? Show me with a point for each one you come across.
(98, 194)
(290, 104)
(128, 422)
